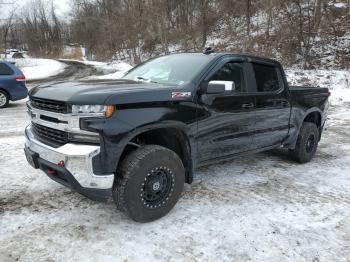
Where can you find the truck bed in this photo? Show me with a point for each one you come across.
(309, 97)
(306, 90)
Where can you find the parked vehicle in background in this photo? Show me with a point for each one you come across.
(12, 50)
(12, 83)
(18, 55)
(140, 138)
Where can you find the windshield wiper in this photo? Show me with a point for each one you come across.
(146, 80)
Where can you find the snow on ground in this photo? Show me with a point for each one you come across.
(111, 70)
(108, 70)
(39, 68)
(120, 69)
(263, 207)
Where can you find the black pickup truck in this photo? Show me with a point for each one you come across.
(140, 138)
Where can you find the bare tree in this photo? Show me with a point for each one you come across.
(6, 23)
(5, 29)
(248, 16)
(42, 29)
(136, 29)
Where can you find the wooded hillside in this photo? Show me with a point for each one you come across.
(305, 33)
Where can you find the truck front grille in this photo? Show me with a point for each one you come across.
(49, 105)
(53, 136)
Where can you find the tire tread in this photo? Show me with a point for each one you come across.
(297, 153)
(129, 163)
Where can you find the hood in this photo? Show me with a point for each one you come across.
(104, 92)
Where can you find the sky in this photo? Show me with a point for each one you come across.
(63, 7)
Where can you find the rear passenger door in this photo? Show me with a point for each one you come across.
(272, 106)
(6, 76)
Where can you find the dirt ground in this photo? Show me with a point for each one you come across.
(264, 207)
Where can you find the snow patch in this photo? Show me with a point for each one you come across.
(120, 67)
(340, 5)
(39, 68)
(111, 70)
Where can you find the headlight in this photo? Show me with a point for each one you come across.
(87, 109)
(93, 109)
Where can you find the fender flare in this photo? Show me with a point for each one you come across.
(6, 91)
(311, 110)
(188, 145)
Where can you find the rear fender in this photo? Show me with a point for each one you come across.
(7, 92)
(299, 119)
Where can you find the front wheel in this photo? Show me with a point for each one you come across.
(149, 183)
(307, 142)
(4, 99)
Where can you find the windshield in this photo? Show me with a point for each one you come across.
(172, 69)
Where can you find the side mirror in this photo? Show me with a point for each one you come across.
(220, 87)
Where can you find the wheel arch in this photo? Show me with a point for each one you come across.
(171, 134)
(6, 91)
(312, 115)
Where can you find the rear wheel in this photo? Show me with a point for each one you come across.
(307, 142)
(149, 183)
(4, 99)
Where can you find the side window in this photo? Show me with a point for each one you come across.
(5, 70)
(232, 72)
(266, 78)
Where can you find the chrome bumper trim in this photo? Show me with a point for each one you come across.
(65, 122)
(77, 158)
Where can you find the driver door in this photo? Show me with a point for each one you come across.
(227, 119)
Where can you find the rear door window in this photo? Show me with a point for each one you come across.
(5, 69)
(266, 78)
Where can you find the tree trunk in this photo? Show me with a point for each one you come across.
(248, 16)
(317, 16)
(204, 16)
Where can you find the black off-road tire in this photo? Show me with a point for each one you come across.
(307, 142)
(4, 95)
(140, 175)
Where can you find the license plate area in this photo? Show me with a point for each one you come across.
(32, 157)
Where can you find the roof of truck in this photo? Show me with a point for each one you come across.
(238, 55)
(247, 56)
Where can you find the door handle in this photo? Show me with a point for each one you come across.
(247, 105)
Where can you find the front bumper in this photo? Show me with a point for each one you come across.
(77, 172)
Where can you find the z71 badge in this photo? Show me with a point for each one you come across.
(180, 94)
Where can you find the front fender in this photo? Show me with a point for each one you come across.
(118, 131)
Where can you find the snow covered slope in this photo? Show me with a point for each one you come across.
(338, 81)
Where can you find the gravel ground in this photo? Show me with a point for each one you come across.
(261, 208)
